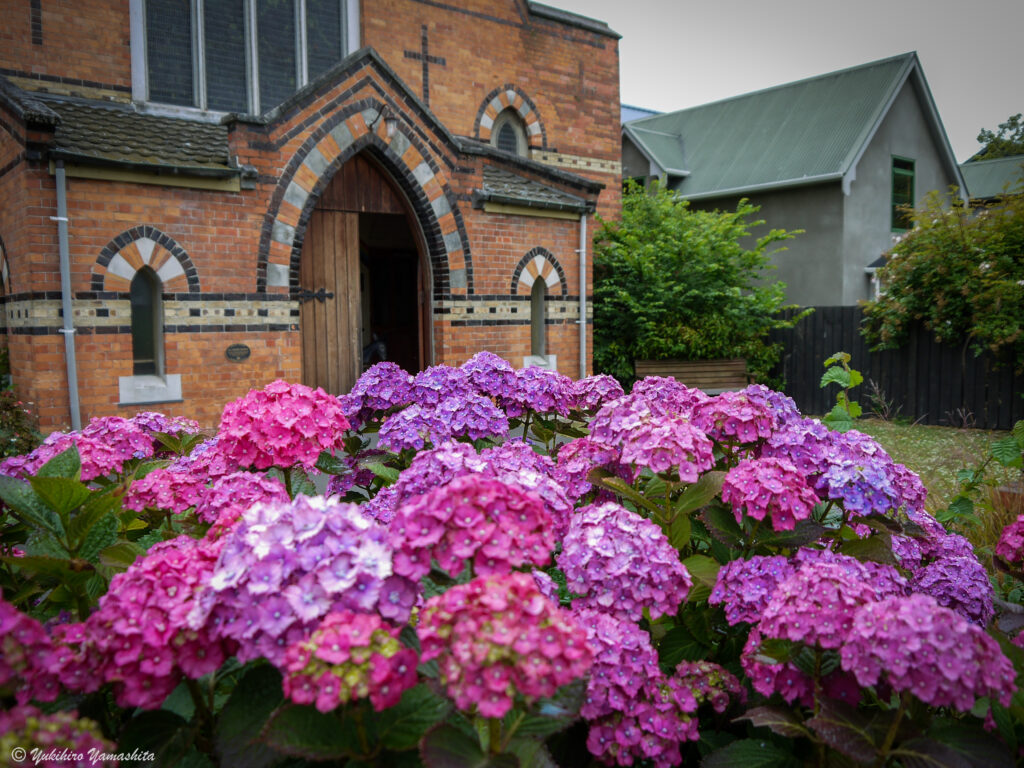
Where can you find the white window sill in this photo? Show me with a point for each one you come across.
(138, 390)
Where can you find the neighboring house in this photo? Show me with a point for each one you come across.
(986, 180)
(836, 156)
(201, 197)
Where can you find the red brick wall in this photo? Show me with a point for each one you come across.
(84, 43)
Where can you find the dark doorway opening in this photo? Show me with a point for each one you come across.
(390, 283)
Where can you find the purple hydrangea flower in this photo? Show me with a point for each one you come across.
(594, 391)
(382, 386)
(746, 586)
(576, 460)
(491, 375)
(735, 417)
(412, 428)
(669, 446)
(472, 415)
(769, 487)
(958, 583)
(621, 563)
(440, 382)
(539, 390)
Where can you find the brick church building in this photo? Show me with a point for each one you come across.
(200, 196)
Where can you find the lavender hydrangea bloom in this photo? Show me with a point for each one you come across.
(803, 442)
(296, 561)
(594, 391)
(381, 387)
(884, 579)
(515, 456)
(517, 463)
(668, 395)
(491, 375)
(621, 563)
(782, 406)
(412, 428)
(439, 382)
(429, 469)
(735, 417)
(746, 586)
(958, 583)
(472, 415)
(578, 458)
(539, 390)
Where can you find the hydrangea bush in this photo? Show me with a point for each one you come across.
(497, 567)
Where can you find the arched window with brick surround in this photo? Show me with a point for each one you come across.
(509, 133)
(538, 319)
(147, 324)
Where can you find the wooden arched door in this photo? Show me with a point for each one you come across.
(361, 268)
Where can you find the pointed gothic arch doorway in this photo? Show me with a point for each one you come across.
(363, 282)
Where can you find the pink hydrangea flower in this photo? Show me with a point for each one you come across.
(670, 446)
(594, 391)
(1011, 543)
(735, 417)
(633, 709)
(578, 458)
(223, 503)
(711, 683)
(138, 637)
(668, 395)
(621, 563)
(24, 650)
(281, 425)
(498, 637)
(746, 586)
(495, 525)
(914, 644)
(516, 463)
(771, 488)
(180, 485)
(349, 656)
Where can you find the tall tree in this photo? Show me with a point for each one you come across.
(1007, 141)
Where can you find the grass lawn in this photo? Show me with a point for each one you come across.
(937, 453)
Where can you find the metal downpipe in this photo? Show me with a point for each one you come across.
(583, 295)
(65, 296)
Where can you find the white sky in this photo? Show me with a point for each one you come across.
(680, 53)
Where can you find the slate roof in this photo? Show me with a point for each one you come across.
(505, 187)
(990, 178)
(802, 132)
(113, 134)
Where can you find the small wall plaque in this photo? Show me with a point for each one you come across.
(237, 352)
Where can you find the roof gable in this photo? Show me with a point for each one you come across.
(803, 132)
(990, 178)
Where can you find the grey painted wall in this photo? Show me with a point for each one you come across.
(867, 232)
(811, 264)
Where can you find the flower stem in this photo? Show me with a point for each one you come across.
(205, 715)
(494, 731)
(890, 737)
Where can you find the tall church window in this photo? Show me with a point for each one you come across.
(509, 133)
(538, 318)
(902, 193)
(147, 324)
(237, 55)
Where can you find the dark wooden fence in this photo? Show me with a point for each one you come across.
(929, 382)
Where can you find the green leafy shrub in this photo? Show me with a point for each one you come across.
(671, 282)
(19, 425)
(960, 274)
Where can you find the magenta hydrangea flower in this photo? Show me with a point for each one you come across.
(516, 463)
(815, 605)
(633, 709)
(670, 446)
(884, 579)
(223, 504)
(491, 375)
(381, 387)
(1011, 543)
(769, 678)
(281, 425)
(428, 469)
(914, 644)
(594, 391)
(139, 638)
(349, 656)
(782, 406)
(104, 446)
(960, 584)
(735, 417)
(771, 488)
(578, 458)
(475, 518)
(744, 587)
(497, 637)
(669, 395)
(63, 739)
(621, 563)
(286, 565)
(539, 390)
(181, 484)
(24, 650)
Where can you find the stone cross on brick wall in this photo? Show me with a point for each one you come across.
(424, 56)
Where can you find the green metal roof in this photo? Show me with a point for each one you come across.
(990, 178)
(802, 132)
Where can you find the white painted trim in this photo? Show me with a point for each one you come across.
(136, 390)
(137, 38)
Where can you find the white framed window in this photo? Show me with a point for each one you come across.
(242, 56)
(509, 133)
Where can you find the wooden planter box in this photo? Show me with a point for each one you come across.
(711, 376)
